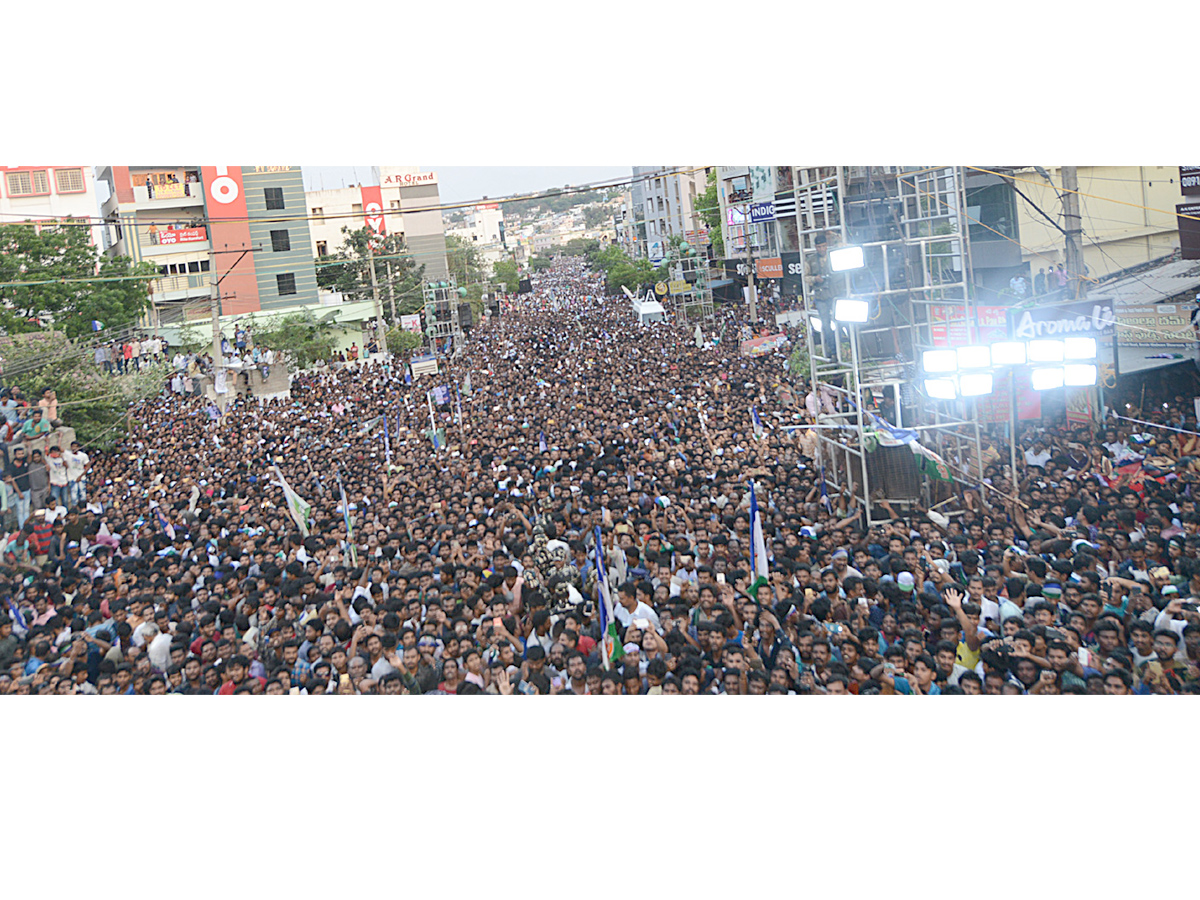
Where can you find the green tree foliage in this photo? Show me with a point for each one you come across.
(594, 216)
(708, 208)
(540, 263)
(403, 343)
(84, 286)
(301, 337)
(94, 404)
(348, 271)
(621, 271)
(462, 257)
(580, 247)
(506, 274)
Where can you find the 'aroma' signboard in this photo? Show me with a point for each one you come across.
(1089, 318)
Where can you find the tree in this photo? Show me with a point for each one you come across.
(596, 215)
(540, 263)
(94, 404)
(67, 284)
(403, 343)
(708, 208)
(506, 274)
(301, 337)
(462, 258)
(348, 271)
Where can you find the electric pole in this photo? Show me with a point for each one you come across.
(379, 327)
(215, 307)
(1074, 229)
(747, 227)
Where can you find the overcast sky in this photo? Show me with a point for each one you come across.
(458, 183)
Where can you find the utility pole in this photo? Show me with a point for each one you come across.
(747, 227)
(1074, 229)
(391, 291)
(379, 328)
(215, 308)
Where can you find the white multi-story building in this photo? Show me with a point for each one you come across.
(38, 193)
(404, 198)
(664, 206)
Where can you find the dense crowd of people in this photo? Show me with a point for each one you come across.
(380, 533)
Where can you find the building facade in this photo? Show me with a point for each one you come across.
(664, 206)
(248, 224)
(34, 193)
(403, 199)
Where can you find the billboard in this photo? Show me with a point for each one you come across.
(1189, 180)
(1188, 216)
(1089, 318)
(772, 267)
(372, 204)
(762, 212)
(181, 235)
(411, 323)
(1154, 335)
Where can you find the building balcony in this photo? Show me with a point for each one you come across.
(168, 196)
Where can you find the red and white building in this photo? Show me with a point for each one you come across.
(40, 193)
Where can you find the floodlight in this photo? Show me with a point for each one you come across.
(851, 310)
(815, 323)
(975, 384)
(1046, 379)
(939, 361)
(846, 258)
(1080, 374)
(1008, 353)
(1045, 351)
(941, 388)
(1079, 348)
(977, 356)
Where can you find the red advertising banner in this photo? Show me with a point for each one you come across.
(996, 408)
(372, 204)
(761, 346)
(225, 206)
(1029, 401)
(182, 235)
(949, 326)
(993, 323)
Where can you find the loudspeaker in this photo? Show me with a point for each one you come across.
(465, 315)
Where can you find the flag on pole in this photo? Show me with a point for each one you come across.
(759, 567)
(825, 494)
(759, 430)
(407, 374)
(97, 325)
(297, 508)
(466, 386)
(458, 404)
(346, 519)
(541, 442)
(387, 442)
(610, 642)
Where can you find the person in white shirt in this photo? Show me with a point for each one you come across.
(630, 610)
(76, 461)
(1037, 455)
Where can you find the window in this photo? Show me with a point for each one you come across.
(69, 181)
(322, 249)
(274, 197)
(355, 207)
(280, 241)
(393, 204)
(204, 265)
(194, 267)
(286, 284)
(28, 184)
(318, 211)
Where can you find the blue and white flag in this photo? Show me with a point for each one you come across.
(825, 494)
(387, 442)
(611, 649)
(759, 430)
(760, 571)
(97, 325)
(407, 374)
(541, 442)
(889, 435)
(167, 527)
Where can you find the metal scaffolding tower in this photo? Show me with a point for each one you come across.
(441, 311)
(916, 278)
(690, 289)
